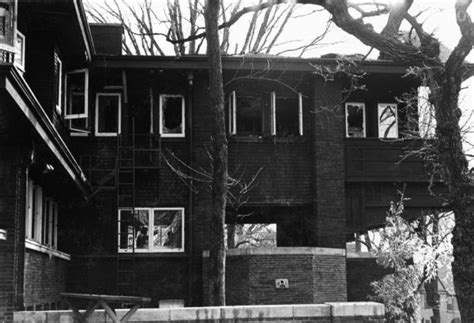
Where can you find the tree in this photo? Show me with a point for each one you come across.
(444, 81)
(219, 158)
(415, 251)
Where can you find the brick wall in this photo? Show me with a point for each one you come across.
(156, 276)
(328, 169)
(12, 208)
(315, 275)
(45, 278)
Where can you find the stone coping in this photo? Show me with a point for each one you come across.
(282, 251)
(222, 313)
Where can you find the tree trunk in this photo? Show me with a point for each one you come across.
(219, 158)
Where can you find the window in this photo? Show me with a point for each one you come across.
(151, 230)
(387, 120)
(246, 115)
(77, 99)
(58, 82)
(41, 217)
(288, 112)
(355, 120)
(20, 51)
(426, 117)
(107, 114)
(172, 115)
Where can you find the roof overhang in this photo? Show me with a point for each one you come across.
(199, 62)
(84, 27)
(23, 96)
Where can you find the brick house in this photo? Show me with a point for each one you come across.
(90, 138)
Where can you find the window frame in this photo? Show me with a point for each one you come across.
(379, 106)
(59, 94)
(20, 65)
(67, 100)
(364, 119)
(273, 108)
(183, 118)
(119, 116)
(232, 113)
(150, 248)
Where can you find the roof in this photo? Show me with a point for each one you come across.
(199, 62)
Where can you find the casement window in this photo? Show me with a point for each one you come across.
(41, 217)
(287, 115)
(20, 51)
(77, 102)
(171, 119)
(58, 82)
(151, 230)
(355, 120)
(387, 116)
(108, 109)
(280, 116)
(426, 116)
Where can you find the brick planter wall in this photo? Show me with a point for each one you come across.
(315, 275)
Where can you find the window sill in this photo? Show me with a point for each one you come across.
(3, 234)
(33, 245)
(144, 251)
(237, 138)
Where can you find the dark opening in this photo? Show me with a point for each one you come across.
(108, 114)
(287, 117)
(355, 120)
(249, 115)
(75, 93)
(172, 115)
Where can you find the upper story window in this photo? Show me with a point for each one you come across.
(58, 82)
(254, 115)
(76, 101)
(108, 109)
(387, 120)
(171, 119)
(355, 120)
(20, 51)
(151, 230)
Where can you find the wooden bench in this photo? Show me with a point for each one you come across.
(106, 302)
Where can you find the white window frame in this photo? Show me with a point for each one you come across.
(60, 84)
(364, 123)
(29, 207)
(85, 113)
(381, 106)
(21, 64)
(119, 118)
(150, 248)
(272, 113)
(183, 119)
(232, 113)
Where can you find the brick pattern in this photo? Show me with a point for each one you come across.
(45, 278)
(250, 279)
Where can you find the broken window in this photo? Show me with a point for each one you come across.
(245, 115)
(171, 115)
(107, 114)
(58, 82)
(426, 117)
(288, 115)
(20, 51)
(355, 120)
(388, 120)
(151, 230)
(77, 98)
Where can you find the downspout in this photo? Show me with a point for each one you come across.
(189, 99)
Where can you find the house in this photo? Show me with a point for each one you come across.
(104, 163)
